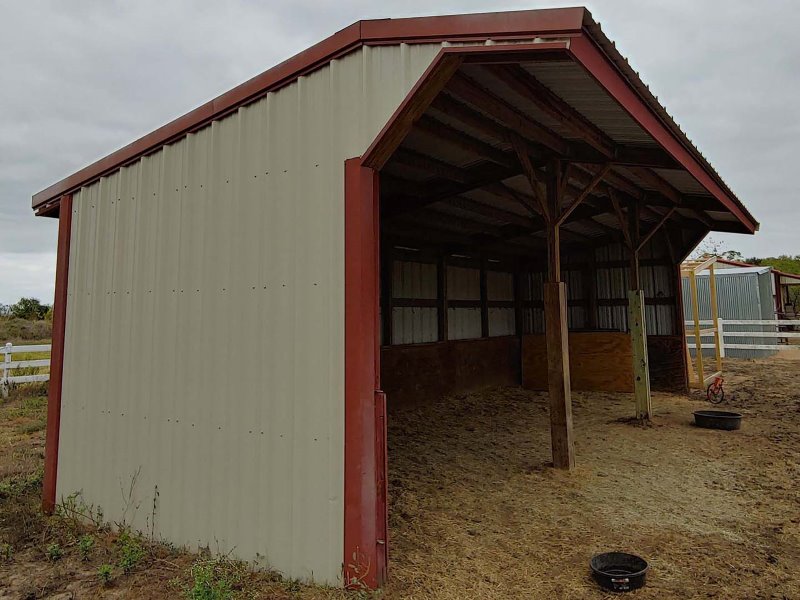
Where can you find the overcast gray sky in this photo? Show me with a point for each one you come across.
(79, 79)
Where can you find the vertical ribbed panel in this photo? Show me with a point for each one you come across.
(463, 283)
(204, 358)
(739, 297)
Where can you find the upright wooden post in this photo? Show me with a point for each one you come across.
(641, 371)
(558, 382)
(637, 323)
(698, 354)
(712, 290)
(556, 335)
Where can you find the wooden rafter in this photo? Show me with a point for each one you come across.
(658, 183)
(463, 141)
(655, 228)
(473, 93)
(590, 187)
(623, 224)
(433, 167)
(520, 147)
(527, 86)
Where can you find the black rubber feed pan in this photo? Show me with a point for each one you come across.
(619, 571)
(718, 419)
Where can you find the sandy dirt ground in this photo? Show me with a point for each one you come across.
(476, 511)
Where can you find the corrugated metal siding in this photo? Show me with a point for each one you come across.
(414, 325)
(739, 296)
(204, 346)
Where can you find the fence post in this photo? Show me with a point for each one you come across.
(6, 362)
(721, 332)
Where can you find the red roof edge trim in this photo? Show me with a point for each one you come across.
(620, 87)
(413, 30)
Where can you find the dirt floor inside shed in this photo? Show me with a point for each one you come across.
(476, 511)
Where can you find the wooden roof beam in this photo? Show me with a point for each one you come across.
(515, 120)
(433, 167)
(530, 88)
(444, 133)
(479, 177)
(658, 183)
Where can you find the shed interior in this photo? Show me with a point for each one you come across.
(464, 235)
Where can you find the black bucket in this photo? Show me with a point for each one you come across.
(717, 419)
(619, 571)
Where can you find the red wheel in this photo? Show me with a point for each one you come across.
(715, 394)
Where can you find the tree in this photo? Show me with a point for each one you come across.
(29, 308)
(712, 247)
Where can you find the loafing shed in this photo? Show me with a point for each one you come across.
(408, 208)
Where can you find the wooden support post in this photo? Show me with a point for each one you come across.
(441, 295)
(555, 309)
(558, 381)
(641, 370)
(698, 353)
(556, 334)
(637, 324)
(712, 288)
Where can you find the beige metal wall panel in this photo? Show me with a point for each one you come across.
(203, 394)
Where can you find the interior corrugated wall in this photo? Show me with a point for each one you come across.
(203, 376)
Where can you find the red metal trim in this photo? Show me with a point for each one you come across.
(483, 26)
(479, 25)
(364, 562)
(57, 356)
(597, 64)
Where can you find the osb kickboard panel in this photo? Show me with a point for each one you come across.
(598, 362)
(421, 373)
(667, 357)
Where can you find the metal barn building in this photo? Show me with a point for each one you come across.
(408, 208)
(744, 292)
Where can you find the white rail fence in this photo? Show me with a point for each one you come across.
(7, 378)
(767, 335)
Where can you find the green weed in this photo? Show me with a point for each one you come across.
(54, 552)
(85, 545)
(131, 552)
(105, 573)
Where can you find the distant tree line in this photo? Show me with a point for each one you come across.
(30, 309)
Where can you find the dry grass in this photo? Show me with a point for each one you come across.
(476, 512)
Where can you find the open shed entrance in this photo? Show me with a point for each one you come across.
(519, 221)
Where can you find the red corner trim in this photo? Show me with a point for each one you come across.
(57, 356)
(364, 562)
